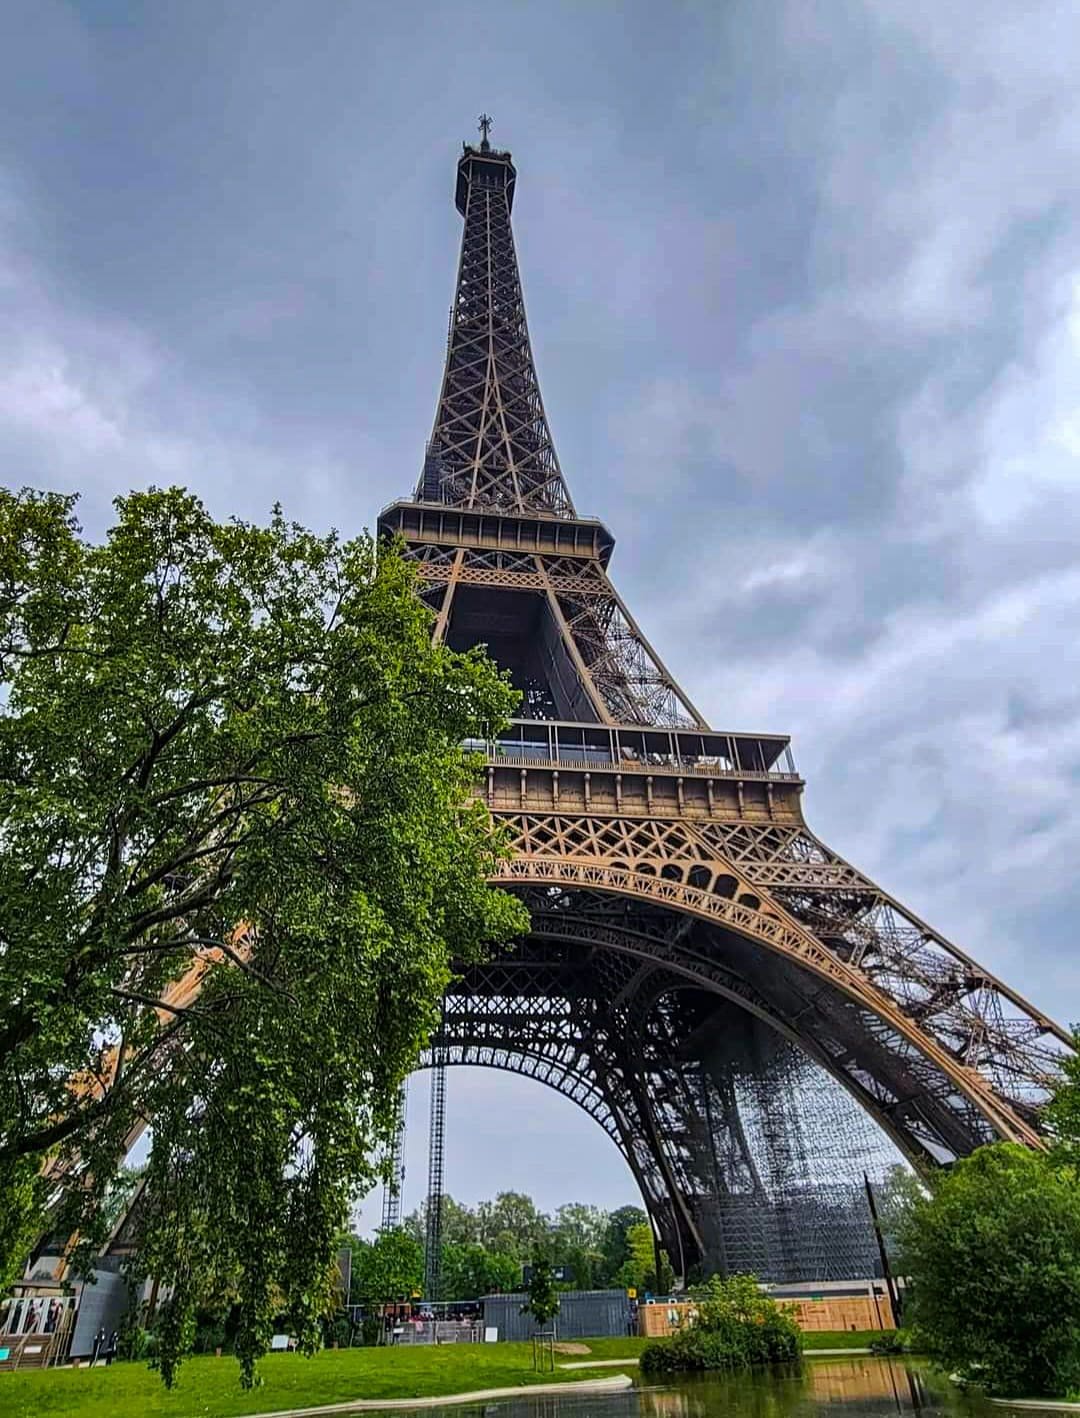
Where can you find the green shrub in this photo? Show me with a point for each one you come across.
(134, 1343)
(338, 1330)
(736, 1327)
(370, 1326)
(994, 1259)
(889, 1341)
(209, 1336)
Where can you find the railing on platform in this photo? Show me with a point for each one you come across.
(551, 744)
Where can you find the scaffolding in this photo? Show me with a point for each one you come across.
(436, 1148)
(395, 1181)
(802, 1214)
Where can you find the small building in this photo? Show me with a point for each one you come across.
(583, 1314)
(829, 1305)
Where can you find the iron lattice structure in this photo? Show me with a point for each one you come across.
(751, 1019)
(436, 1147)
(395, 1163)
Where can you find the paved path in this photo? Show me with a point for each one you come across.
(1047, 1404)
(377, 1405)
(601, 1364)
(833, 1353)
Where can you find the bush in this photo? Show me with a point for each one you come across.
(209, 1336)
(370, 1326)
(736, 1327)
(338, 1330)
(994, 1260)
(134, 1343)
(889, 1341)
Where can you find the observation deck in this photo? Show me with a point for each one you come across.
(445, 524)
(543, 764)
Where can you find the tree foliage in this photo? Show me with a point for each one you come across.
(543, 1293)
(1062, 1115)
(576, 1239)
(899, 1192)
(486, 1247)
(994, 1258)
(638, 1271)
(615, 1245)
(229, 755)
(387, 1269)
(22, 1217)
(736, 1326)
(458, 1222)
(471, 1270)
(511, 1225)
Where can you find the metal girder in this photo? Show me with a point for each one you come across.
(491, 446)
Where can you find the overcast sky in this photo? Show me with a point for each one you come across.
(804, 291)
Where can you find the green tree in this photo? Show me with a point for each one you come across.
(615, 1247)
(543, 1301)
(229, 756)
(386, 1269)
(119, 1194)
(471, 1270)
(1062, 1114)
(579, 1226)
(897, 1195)
(585, 1266)
(459, 1224)
(22, 1214)
(994, 1259)
(576, 1237)
(511, 1225)
(638, 1271)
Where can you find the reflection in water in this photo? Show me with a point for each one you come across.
(824, 1388)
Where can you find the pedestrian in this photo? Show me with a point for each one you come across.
(99, 1344)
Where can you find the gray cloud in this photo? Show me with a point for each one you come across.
(805, 298)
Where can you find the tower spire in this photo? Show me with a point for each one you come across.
(491, 446)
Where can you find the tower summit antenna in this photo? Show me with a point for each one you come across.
(484, 123)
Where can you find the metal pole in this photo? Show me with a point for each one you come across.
(886, 1268)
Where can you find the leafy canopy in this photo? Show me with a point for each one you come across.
(229, 757)
(638, 1271)
(615, 1245)
(387, 1269)
(471, 1270)
(486, 1246)
(1062, 1114)
(994, 1258)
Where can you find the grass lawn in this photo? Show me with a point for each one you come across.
(209, 1388)
(839, 1339)
(603, 1349)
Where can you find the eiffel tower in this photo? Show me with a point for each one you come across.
(707, 979)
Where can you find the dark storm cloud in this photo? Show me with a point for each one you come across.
(805, 298)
